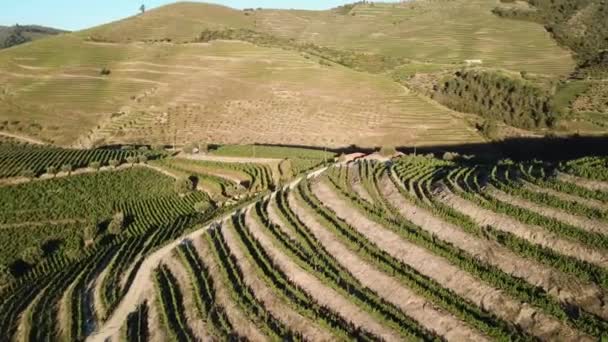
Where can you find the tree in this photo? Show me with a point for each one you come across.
(28, 173)
(114, 163)
(184, 185)
(189, 149)
(201, 207)
(132, 160)
(203, 147)
(142, 9)
(388, 151)
(90, 231)
(32, 255)
(105, 71)
(51, 170)
(117, 223)
(66, 168)
(95, 165)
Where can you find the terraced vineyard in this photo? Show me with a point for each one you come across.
(413, 248)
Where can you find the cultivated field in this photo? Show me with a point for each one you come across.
(413, 248)
(147, 80)
(224, 92)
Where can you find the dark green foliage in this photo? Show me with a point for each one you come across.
(184, 186)
(496, 96)
(19, 34)
(579, 25)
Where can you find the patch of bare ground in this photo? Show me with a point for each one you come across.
(273, 215)
(356, 184)
(583, 182)
(99, 309)
(416, 307)
(272, 302)
(591, 203)
(322, 293)
(462, 283)
(566, 288)
(63, 315)
(195, 323)
(534, 234)
(155, 325)
(584, 223)
(242, 325)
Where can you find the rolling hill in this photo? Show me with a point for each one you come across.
(149, 78)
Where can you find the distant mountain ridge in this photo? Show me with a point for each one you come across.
(19, 34)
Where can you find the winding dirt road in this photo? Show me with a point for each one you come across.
(136, 293)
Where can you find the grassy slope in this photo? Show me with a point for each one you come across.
(181, 93)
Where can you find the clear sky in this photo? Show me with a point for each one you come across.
(80, 14)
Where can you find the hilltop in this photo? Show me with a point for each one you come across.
(367, 74)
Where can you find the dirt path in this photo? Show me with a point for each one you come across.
(242, 324)
(534, 234)
(322, 293)
(222, 159)
(41, 223)
(583, 182)
(273, 216)
(416, 307)
(591, 203)
(141, 283)
(358, 188)
(584, 223)
(24, 138)
(155, 326)
(566, 288)
(279, 309)
(194, 322)
(462, 283)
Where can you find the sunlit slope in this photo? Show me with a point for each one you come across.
(179, 22)
(224, 92)
(442, 31)
(438, 31)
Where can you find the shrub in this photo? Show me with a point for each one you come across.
(114, 162)
(117, 223)
(184, 185)
(90, 231)
(32, 255)
(189, 148)
(28, 173)
(132, 160)
(95, 165)
(201, 207)
(142, 159)
(489, 129)
(388, 151)
(105, 72)
(51, 170)
(66, 168)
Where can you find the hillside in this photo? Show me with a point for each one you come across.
(19, 34)
(421, 248)
(150, 79)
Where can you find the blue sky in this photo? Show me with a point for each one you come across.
(80, 14)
